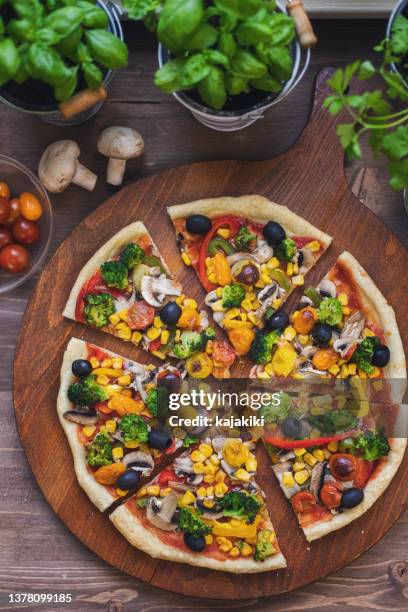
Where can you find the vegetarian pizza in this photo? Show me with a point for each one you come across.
(127, 290)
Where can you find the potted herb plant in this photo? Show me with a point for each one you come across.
(225, 60)
(380, 113)
(57, 57)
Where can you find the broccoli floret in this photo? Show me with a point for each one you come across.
(190, 522)
(330, 311)
(243, 238)
(274, 411)
(98, 308)
(363, 354)
(240, 505)
(264, 545)
(152, 401)
(115, 274)
(372, 446)
(132, 255)
(191, 342)
(262, 346)
(286, 250)
(208, 334)
(189, 441)
(232, 296)
(86, 392)
(99, 452)
(134, 428)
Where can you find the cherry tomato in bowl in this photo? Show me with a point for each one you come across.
(6, 237)
(30, 206)
(14, 258)
(14, 212)
(4, 190)
(4, 209)
(25, 232)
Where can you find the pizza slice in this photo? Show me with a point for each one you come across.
(249, 254)
(342, 328)
(108, 407)
(206, 509)
(127, 290)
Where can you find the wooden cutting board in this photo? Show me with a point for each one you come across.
(309, 178)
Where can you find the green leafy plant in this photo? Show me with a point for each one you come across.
(372, 111)
(57, 42)
(222, 48)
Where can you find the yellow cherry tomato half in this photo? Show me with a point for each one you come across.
(4, 190)
(30, 206)
(199, 366)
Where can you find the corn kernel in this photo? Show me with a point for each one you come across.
(251, 464)
(345, 310)
(157, 322)
(125, 380)
(299, 452)
(164, 336)
(220, 489)
(253, 318)
(141, 492)
(269, 369)
(186, 259)
(136, 337)
(234, 552)
(159, 354)
(123, 314)
(287, 479)
(352, 369)
(334, 369)
(153, 490)
(110, 426)
(220, 476)
(102, 379)
(88, 430)
(120, 492)
(190, 303)
(232, 313)
(246, 305)
(209, 478)
(333, 447)
(114, 318)
(210, 493)
(201, 492)
(205, 449)
(225, 546)
(125, 334)
(246, 550)
(343, 299)
(153, 333)
(215, 460)
(117, 453)
(209, 539)
(132, 444)
(276, 303)
(187, 499)
(166, 491)
(243, 475)
(289, 333)
(298, 466)
(198, 468)
(301, 477)
(224, 232)
(289, 269)
(273, 263)
(106, 363)
(209, 468)
(318, 454)
(367, 333)
(198, 456)
(313, 246)
(298, 280)
(94, 363)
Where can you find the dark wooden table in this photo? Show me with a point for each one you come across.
(37, 553)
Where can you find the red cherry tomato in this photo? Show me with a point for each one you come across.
(14, 212)
(223, 354)
(4, 209)
(140, 315)
(25, 232)
(330, 495)
(343, 466)
(166, 475)
(303, 502)
(364, 470)
(14, 258)
(6, 237)
(4, 190)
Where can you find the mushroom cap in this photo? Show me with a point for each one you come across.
(58, 165)
(120, 143)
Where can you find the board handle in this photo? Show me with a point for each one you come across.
(304, 28)
(82, 101)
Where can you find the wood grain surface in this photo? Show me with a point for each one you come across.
(37, 552)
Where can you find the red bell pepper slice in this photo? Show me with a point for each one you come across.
(229, 221)
(289, 444)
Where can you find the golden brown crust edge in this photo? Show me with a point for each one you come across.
(254, 207)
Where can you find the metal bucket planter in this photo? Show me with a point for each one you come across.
(237, 119)
(401, 8)
(51, 113)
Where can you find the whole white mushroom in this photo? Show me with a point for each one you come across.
(59, 167)
(119, 144)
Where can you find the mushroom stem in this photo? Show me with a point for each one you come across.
(116, 171)
(84, 178)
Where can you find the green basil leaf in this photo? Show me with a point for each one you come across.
(45, 64)
(252, 32)
(69, 45)
(280, 62)
(22, 73)
(246, 65)
(178, 21)
(64, 20)
(235, 84)
(283, 29)
(240, 8)
(94, 17)
(82, 54)
(28, 9)
(216, 57)
(46, 36)
(2, 26)
(195, 70)
(168, 77)
(107, 49)
(267, 83)
(139, 9)
(21, 30)
(93, 75)
(67, 88)
(9, 60)
(205, 36)
(227, 22)
(227, 44)
(212, 89)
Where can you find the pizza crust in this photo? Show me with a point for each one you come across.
(374, 301)
(136, 534)
(109, 250)
(374, 489)
(254, 207)
(97, 493)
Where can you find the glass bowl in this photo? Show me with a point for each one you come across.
(19, 179)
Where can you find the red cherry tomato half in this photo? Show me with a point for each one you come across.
(14, 258)
(14, 212)
(166, 475)
(330, 495)
(25, 232)
(364, 470)
(343, 466)
(303, 502)
(140, 315)
(4, 209)
(6, 237)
